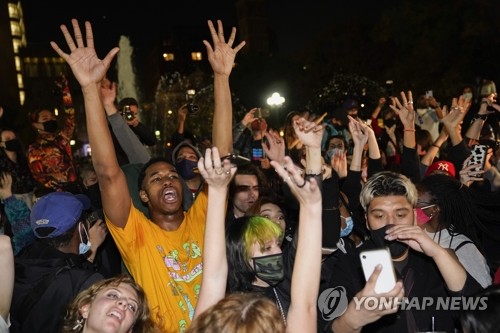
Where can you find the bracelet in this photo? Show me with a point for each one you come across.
(435, 145)
(312, 175)
(409, 130)
(480, 116)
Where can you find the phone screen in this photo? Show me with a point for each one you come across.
(387, 278)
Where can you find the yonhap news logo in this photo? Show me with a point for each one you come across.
(332, 303)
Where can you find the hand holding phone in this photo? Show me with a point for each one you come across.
(370, 259)
(478, 153)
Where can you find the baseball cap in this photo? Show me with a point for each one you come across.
(443, 167)
(57, 212)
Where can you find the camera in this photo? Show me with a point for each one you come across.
(193, 108)
(127, 113)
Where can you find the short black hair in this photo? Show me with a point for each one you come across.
(142, 173)
(127, 101)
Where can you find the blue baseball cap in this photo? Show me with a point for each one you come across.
(57, 212)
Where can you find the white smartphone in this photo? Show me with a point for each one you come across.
(387, 278)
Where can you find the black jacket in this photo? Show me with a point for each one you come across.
(52, 279)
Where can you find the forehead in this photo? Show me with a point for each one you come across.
(44, 113)
(336, 141)
(186, 150)
(389, 203)
(245, 180)
(270, 207)
(160, 166)
(124, 288)
(8, 134)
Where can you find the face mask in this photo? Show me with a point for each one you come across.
(468, 95)
(50, 126)
(389, 122)
(185, 169)
(94, 194)
(269, 268)
(334, 151)
(423, 218)
(83, 247)
(13, 145)
(396, 248)
(348, 228)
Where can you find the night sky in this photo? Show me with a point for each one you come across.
(293, 23)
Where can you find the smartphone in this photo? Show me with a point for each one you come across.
(478, 153)
(237, 160)
(387, 278)
(93, 217)
(428, 94)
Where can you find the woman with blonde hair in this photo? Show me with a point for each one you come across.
(116, 305)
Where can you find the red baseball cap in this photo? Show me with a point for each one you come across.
(441, 167)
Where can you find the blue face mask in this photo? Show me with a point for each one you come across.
(332, 152)
(348, 228)
(185, 169)
(83, 247)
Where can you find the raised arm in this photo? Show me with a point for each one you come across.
(306, 269)
(217, 175)
(130, 143)
(89, 70)
(6, 275)
(221, 57)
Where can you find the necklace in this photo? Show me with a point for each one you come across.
(278, 302)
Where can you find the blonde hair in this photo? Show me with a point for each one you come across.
(240, 313)
(388, 183)
(143, 322)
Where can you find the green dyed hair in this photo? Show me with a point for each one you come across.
(260, 229)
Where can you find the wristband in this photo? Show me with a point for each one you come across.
(435, 145)
(480, 116)
(409, 130)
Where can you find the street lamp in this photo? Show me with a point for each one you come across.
(276, 101)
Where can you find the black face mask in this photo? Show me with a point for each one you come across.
(94, 195)
(50, 126)
(185, 168)
(389, 122)
(396, 248)
(13, 145)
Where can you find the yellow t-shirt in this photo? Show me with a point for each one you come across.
(167, 264)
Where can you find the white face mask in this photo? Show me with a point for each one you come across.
(83, 247)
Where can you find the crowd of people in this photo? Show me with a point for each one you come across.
(255, 231)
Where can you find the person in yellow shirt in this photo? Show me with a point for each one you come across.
(162, 253)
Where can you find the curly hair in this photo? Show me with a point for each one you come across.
(240, 313)
(143, 322)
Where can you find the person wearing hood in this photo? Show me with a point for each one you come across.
(185, 157)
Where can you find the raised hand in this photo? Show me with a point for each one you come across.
(310, 133)
(221, 55)
(216, 172)
(86, 66)
(275, 146)
(404, 109)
